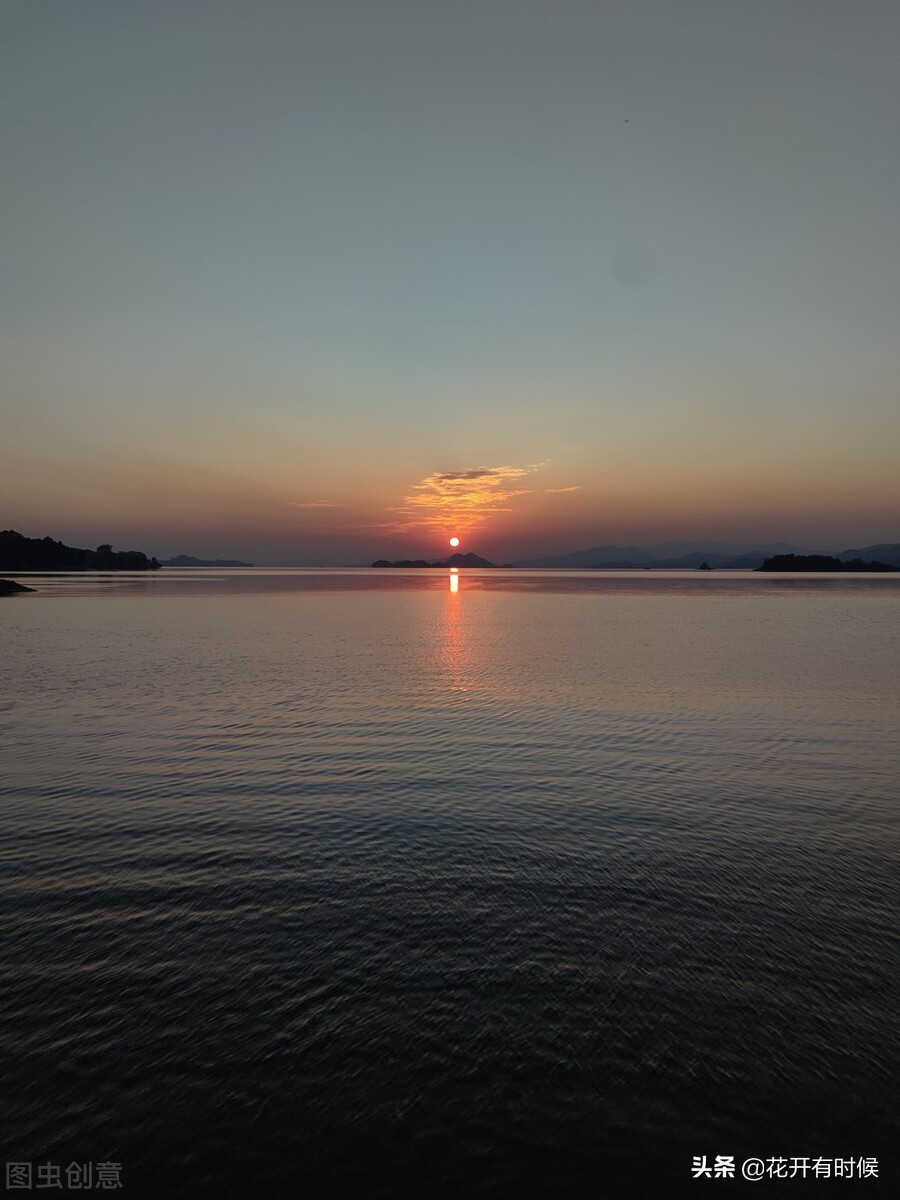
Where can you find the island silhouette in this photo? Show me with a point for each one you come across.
(20, 553)
(693, 555)
(188, 560)
(9, 588)
(821, 562)
(455, 560)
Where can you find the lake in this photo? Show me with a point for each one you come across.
(356, 883)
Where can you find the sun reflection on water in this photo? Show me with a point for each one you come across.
(455, 652)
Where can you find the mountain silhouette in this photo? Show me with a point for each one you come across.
(886, 552)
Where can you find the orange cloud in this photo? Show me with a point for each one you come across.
(556, 491)
(461, 499)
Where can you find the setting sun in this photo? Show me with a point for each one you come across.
(454, 541)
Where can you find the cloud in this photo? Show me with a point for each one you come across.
(556, 491)
(474, 473)
(460, 500)
(447, 501)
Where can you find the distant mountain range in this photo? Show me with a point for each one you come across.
(886, 552)
(187, 560)
(688, 555)
(20, 553)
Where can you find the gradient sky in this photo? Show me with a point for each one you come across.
(329, 281)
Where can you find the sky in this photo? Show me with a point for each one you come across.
(322, 282)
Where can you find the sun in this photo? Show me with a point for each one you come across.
(454, 541)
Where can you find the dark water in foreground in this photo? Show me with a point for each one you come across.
(345, 884)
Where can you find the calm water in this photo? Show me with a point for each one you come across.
(325, 884)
